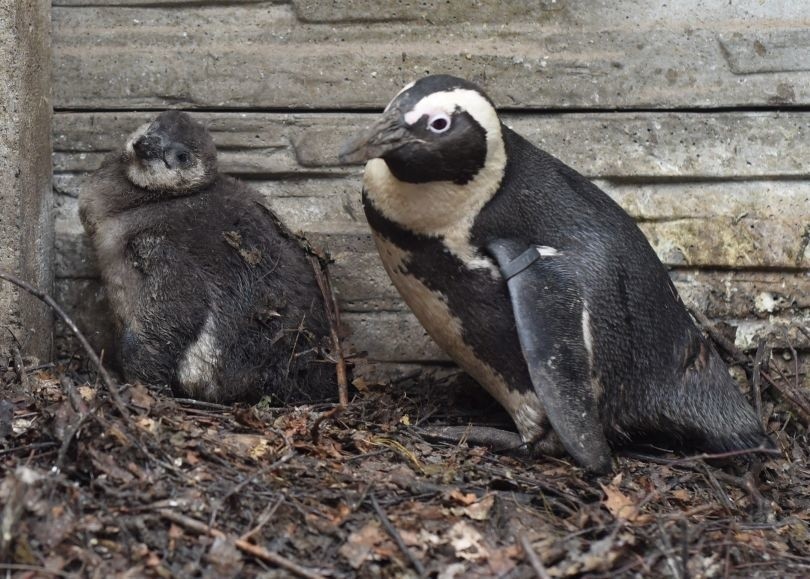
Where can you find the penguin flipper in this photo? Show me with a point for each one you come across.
(548, 309)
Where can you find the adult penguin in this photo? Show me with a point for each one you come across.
(538, 284)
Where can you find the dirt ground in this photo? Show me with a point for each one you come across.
(182, 489)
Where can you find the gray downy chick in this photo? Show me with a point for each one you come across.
(210, 292)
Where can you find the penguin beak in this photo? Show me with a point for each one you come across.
(150, 146)
(387, 134)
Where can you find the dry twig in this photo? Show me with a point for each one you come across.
(19, 366)
(333, 314)
(241, 544)
(32, 569)
(202, 404)
(289, 451)
(534, 560)
(417, 564)
(79, 407)
(45, 298)
(315, 431)
(33, 446)
(756, 379)
(335, 331)
(796, 398)
(263, 519)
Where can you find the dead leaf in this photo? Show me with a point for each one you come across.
(479, 510)
(462, 498)
(87, 393)
(621, 506)
(600, 556)
(339, 515)
(247, 417)
(141, 398)
(118, 434)
(106, 464)
(19, 426)
(360, 544)
(253, 446)
(64, 420)
(452, 571)
(360, 383)
(146, 424)
(468, 542)
(502, 561)
(175, 532)
(681, 495)
(293, 425)
(225, 557)
(234, 239)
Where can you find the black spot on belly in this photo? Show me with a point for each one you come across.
(478, 300)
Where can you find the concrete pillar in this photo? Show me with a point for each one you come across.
(26, 198)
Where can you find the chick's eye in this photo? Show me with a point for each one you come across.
(439, 123)
(182, 157)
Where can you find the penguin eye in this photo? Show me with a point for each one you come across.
(439, 123)
(177, 157)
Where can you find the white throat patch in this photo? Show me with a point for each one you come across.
(154, 175)
(443, 208)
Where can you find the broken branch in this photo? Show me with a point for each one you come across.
(48, 300)
(534, 560)
(241, 544)
(392, 530)
(333, 315)
(797, 399)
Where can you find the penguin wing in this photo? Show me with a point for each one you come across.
(548, 307)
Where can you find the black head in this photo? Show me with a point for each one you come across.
(172, 154)
(439, 128)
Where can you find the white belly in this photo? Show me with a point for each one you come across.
(431, 309)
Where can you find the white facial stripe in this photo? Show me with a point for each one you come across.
(443, 208)
(448, 101)
(414, 115)
(396, 96)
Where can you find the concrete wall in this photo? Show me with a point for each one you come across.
(26, 221)
(684, 113)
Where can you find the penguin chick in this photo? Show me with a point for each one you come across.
(210, 293)
(537, 284)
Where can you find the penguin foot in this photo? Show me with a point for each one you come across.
(495, 439)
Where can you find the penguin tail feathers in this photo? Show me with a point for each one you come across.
(753, 440)
(716, 415)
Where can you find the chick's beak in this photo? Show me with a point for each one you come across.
(150, 146)
(387, 134)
